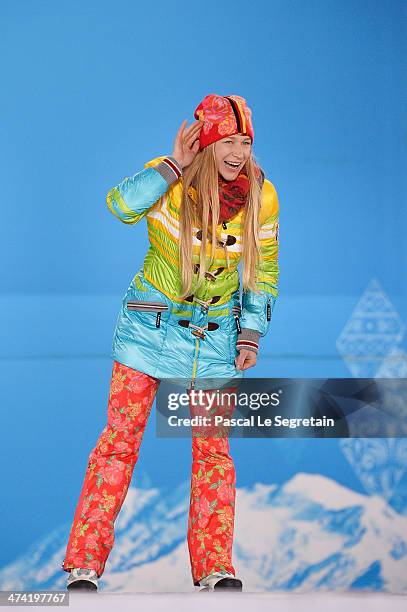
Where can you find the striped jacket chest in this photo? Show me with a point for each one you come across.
(163, 223)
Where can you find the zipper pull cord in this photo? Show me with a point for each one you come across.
(239, 329)
(268, 310)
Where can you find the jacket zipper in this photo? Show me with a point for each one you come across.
(195, 362)
(268, 309)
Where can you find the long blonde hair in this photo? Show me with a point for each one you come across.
(202, 175)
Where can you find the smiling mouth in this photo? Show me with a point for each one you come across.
(232, 165)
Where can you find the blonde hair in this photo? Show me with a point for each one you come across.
(202, 174)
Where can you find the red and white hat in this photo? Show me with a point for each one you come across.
(223, 116)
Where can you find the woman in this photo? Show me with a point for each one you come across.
(181, 318)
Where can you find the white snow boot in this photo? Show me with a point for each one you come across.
(219, 581)
(82, 579)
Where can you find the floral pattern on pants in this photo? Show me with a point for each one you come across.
(110, 469)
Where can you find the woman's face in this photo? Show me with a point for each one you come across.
(231, 154)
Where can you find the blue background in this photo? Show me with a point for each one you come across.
(92, 91)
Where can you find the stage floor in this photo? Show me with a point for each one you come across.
(234, 602)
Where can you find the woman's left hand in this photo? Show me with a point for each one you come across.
(246, 359)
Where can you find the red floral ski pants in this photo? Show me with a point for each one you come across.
(109, 472)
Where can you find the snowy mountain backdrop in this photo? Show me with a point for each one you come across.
(309, 534)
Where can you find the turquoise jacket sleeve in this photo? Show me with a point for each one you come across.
(131, 199)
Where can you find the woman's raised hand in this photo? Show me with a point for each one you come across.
(186, 144)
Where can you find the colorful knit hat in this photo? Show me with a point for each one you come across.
(223, 116)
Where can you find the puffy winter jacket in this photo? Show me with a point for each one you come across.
(198, 337)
